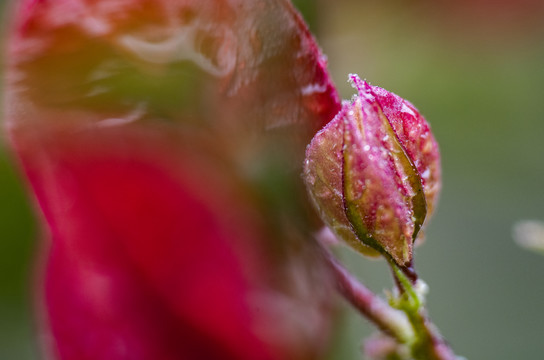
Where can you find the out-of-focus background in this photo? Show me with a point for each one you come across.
(18, 247)
(475, 69)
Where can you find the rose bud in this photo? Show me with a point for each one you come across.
(374, 173)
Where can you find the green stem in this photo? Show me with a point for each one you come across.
(427, 344)
(405, 320)
(408, 294)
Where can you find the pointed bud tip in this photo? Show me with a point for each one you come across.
(364, 89)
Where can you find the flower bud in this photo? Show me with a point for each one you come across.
(374, 173)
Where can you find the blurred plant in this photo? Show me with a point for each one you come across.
(529, 234)
(164, 141)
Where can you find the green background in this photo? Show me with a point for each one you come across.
(479, 80)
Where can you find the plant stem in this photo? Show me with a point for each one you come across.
(391, 321)
(428, 344)
(407, 322)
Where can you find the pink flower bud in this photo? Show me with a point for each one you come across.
(374, 173)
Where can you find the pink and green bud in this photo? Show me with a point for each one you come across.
(374, 173)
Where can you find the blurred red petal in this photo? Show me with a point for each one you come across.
(142, 251)
(145, 129)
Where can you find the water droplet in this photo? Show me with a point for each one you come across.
(426, 173)
(324, 193)
(310, 179)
